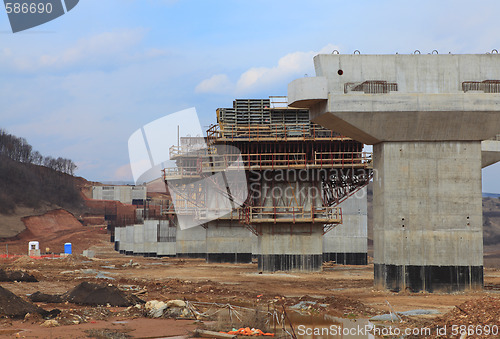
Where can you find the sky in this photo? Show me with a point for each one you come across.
(79, 86)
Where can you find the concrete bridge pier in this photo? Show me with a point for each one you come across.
(428, 219)
(228, 241)
(426, 116)
(290, 247)
(191, 242)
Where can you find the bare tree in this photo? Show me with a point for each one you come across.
(18, 149)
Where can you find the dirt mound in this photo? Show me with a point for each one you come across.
(9, 276)
(45, 298)
(100, 295)
(75, 258)
(24, 260)
(13, 306)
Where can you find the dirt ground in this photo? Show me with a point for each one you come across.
(341, 291)
(337, 295)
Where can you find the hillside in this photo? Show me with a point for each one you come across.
(491, 221)
(28, 189)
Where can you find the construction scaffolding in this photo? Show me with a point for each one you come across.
(296, 171)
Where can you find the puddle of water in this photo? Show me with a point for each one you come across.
(102, 275)
(105, 275)
(316, 326)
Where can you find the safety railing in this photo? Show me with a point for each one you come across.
(278, 101)
(222, 163)
(342, 159)
(270, 132)
(215, 213)
(199, 212)
(254, 161)
(263, 161)
(287, 161)
(179, 172)
(291, 214)
(190, 151)
(276, 161)
(486, 86)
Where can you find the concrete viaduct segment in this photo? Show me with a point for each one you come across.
(426, 116)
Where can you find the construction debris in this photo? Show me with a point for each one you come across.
(247, 331)
(50, 323)
(155, 308)
(213, 334)
(170, 309)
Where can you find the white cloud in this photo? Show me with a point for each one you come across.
(123, 173)
(290, 66)
(103, 49)
(103, 45)
(218, 83)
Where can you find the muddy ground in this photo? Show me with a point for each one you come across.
(339, 291)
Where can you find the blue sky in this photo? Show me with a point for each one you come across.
(80, 85)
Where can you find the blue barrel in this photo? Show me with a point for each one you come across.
(67, 248)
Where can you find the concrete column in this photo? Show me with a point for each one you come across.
(347, 243)
(428, 215)
(290, 247)
(255, 246)
(228, 241)
(191, 242)
(284, 245)
(123, 239)
(150, 238)
(166, 241)
(138, 247)
(128, 244)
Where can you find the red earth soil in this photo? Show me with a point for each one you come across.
(52, 230)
